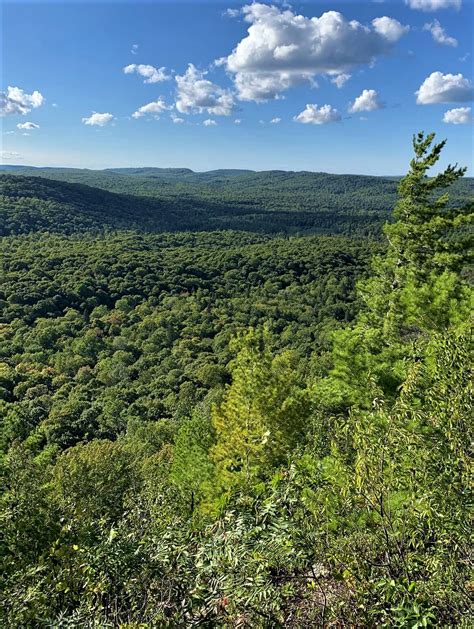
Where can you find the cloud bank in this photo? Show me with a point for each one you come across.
(283, 49)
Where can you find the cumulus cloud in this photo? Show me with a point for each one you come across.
(16, 101)
(283, 49)
(155, 108)
(98, 120)
(263, 86)
(433, 5)
(444, 88)
(209, 123)
(461, 115)
(237, 121)
(27, 125)
(275, 120)
(313, 114)
(367, 101)
(389, 28)
(196, 94)
(149, 73)
(439, 34)
(134, 49)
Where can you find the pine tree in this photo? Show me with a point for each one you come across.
(192, 470)
(427, 243)
(262, 415)
(418, 286)
(419, 237)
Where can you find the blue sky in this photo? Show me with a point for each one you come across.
(339, 88)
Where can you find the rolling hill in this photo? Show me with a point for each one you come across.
(157, 200)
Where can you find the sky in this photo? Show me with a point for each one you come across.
(322, 86)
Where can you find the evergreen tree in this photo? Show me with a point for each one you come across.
(418, 286)
(192, 470)
(262, 415)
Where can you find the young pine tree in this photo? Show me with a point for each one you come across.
(262, 415)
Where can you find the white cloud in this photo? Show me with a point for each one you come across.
(367, 101)
(8, 155)
(461, 115)
(262, 86)
(275, 120)
(98, 120)
(433, 5)
(27, 125)
(16, 101)
(8, 133)
(232, 12)
(209, 123)
(318, 115)
(134, 49)
(444, 88)
(465, 57)
(237, 121)
(155, 108)
(149, 73)
(439, 34)
(389, 28)
(176, 119)
(283, 49)
(340, 80)
(196, 94)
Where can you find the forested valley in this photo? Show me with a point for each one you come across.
(236, 399)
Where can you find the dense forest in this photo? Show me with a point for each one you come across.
(152, 199)
(233, 399)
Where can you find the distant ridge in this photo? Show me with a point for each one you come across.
(70, 201)
(182, 172)
(142, 170)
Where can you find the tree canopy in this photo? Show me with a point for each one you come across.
(235, 429)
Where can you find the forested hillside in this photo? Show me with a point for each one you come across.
(29, 204)
(236, 428)
(37, 204)
(67, 201)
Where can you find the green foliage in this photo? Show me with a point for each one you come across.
(213, 429)
(71, 201)
(192, 470)
(97, 332)
(419, 287)
(262, 416)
